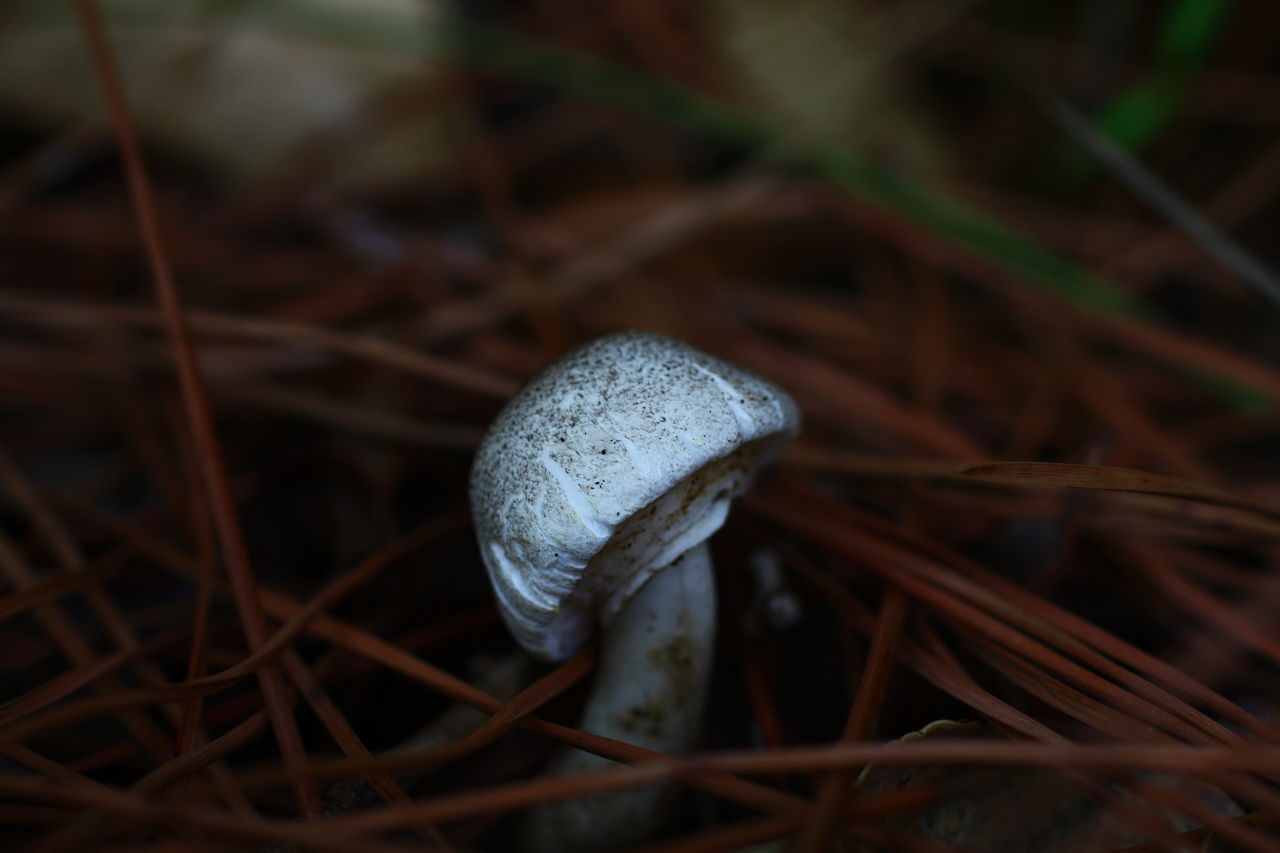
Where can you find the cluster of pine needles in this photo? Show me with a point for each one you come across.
(1022, 295)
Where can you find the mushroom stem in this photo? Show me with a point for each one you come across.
(650, 687)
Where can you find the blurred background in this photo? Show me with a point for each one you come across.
(960, 232)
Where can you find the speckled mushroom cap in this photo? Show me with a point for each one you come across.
(606, 467)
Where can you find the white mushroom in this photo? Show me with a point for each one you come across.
(594, 493)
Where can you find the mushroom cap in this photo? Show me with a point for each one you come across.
(604, 468)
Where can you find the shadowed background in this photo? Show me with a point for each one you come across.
(1015, 261)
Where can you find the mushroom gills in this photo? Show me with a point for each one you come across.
(653, 538)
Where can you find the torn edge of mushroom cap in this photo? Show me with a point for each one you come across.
(591, 440)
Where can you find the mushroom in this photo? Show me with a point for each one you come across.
(594, 493)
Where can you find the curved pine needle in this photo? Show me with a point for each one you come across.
(102, 315)
(213, 473)
(266, 652)
(1064, 475)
